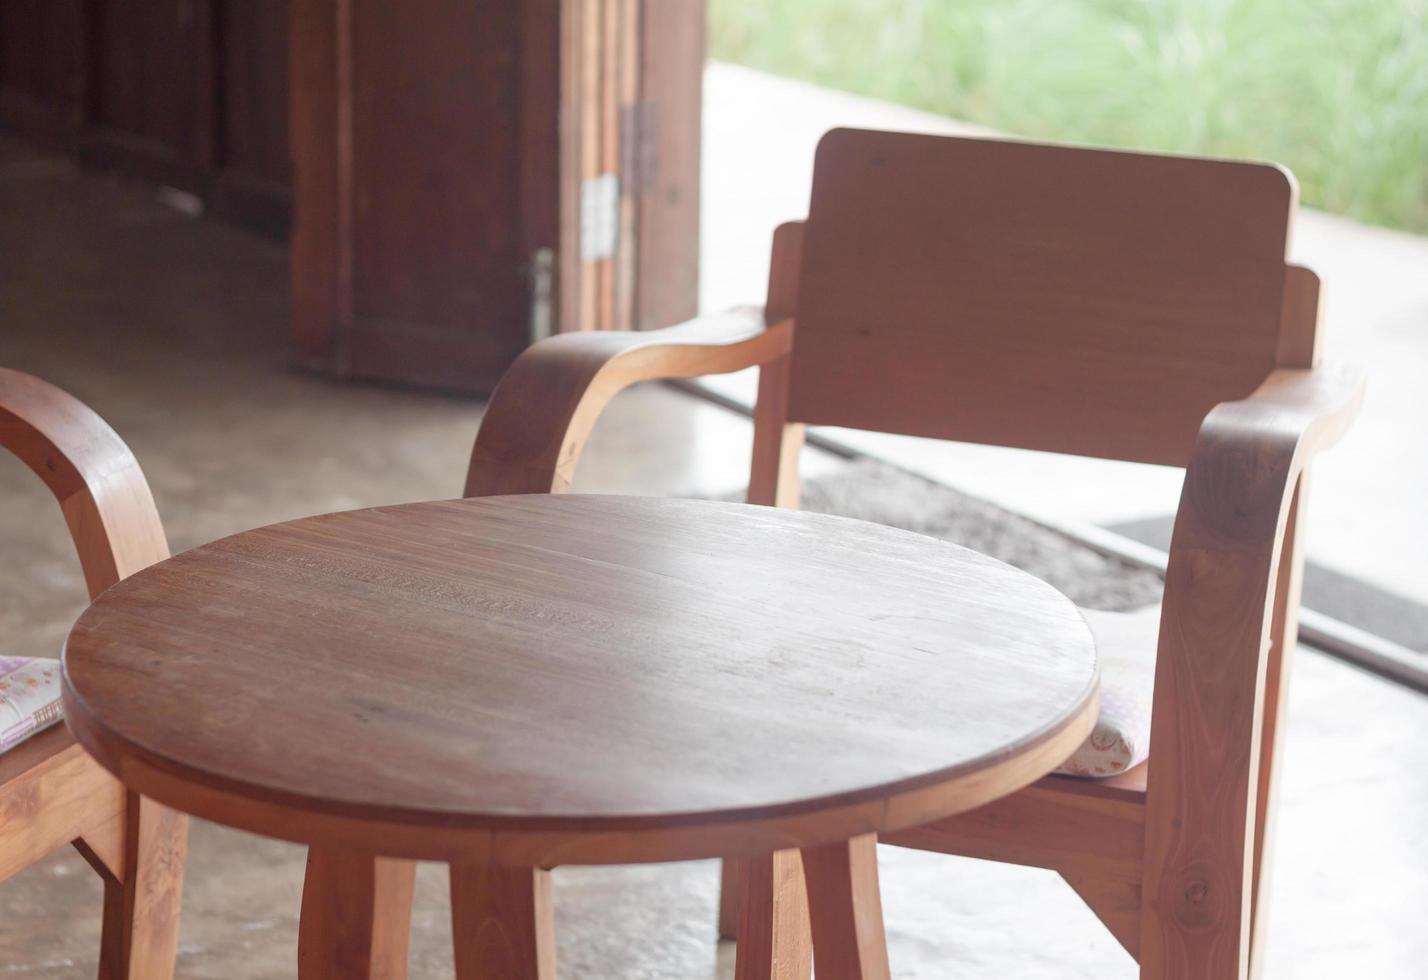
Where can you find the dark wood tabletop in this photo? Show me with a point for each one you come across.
(540, 680)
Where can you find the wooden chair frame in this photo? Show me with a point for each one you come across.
(1173, 855)
(52, 792)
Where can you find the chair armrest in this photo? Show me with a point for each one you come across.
(546, 404)
(1223, 584)
(1250, 452)
(98, 483)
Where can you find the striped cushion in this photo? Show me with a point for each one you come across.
(29, 698)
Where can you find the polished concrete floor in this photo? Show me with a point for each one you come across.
(172, 328)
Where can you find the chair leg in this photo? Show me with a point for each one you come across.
(773, 920)
(502, 923)
(356, 917)
(846, 910)
(1195, 910)
(731, 893)
(141, 908)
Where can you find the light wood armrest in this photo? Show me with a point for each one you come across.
(546, 404)
(1223, 587)
(1292, 415)
(98, 483)
(1250, 452)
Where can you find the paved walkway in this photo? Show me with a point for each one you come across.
(1370, 499)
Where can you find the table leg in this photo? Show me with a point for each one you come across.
(731, 896)
(502, 923)
(773, 939)
(356, 917)
(846, 910)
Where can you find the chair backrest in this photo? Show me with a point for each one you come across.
(99, 486)
(1083, 301)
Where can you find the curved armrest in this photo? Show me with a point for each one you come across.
(546, 404)
(1250, 452)
(1223, 586)
(98, 483)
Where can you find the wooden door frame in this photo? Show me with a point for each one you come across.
(631, 101)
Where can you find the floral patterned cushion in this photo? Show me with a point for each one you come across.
(29, 698)
(1125, 646)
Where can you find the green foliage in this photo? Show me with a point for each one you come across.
(1337, 90)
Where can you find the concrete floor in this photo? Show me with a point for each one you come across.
(173, 329)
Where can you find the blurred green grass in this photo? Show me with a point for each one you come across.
(1337, 90)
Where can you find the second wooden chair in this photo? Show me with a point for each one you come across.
(51, 792)
(1118, 305)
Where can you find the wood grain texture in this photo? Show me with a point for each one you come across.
(846, 911)
(141, 908)
(1002, 283)
(427, 149)
(732, 872)
(773, 475)
(1215, 636)
(445, 637)
(503, 923)
(671, 81)
(1050, 824)
(775, 942)
(99, 486)
(1117, 904)
(1107, 304)
(51, 791)
(356, 917)
(320, 141)
(544, 408)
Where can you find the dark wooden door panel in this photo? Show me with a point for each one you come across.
(253, 72)
(425, 150)
(468, 174)
(436, 102)
(192, 93)
(42, 70)
(144, 72)
(252, 178)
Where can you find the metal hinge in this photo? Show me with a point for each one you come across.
(599, 217)
(542, 287)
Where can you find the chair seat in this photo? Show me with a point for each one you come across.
(29, 698)
(1125, 646)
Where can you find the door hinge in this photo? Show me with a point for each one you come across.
(542, 288)
(599, 217)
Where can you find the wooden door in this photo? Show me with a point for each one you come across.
(467, 176)
(633, 83)
(471, 177)
(252, 178)
(188, 93)
(43, 70)
(148, 101)
(424, 143)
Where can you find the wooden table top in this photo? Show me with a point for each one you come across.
(578, 679)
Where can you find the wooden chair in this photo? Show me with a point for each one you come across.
(1098, 303)
(51, 792)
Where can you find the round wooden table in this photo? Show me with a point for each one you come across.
(512, 683)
